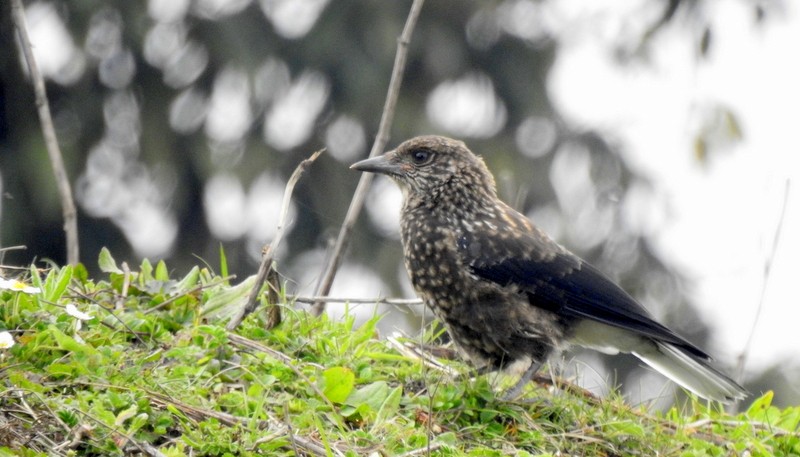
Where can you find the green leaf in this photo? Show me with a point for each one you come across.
(138, 422)
(188, 281)
(21, 381)
(790, 419)
(390, 405)
(223, 302)
(145, 273)
(338, 383)
(68, 343)
(368, 400)
(56, 287)
(162, 274)
(80, 273)
(223, 264)
(60, 369)
(153, 356)
(126, 414)
(760, 404)
(107, 263)
(36, 280)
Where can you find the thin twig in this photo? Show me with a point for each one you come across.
(368, 301)
(110, 312)
(193, 290)
(756, 425)
(767, 270)
(19, 247)
(269, 251)
(49, 132)
(423, 450)
(381, 139)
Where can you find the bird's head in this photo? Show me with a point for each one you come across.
(426, 166)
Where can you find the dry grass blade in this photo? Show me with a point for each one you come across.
(415, 351)
(49, 132)
(269, 250)
(381, 139)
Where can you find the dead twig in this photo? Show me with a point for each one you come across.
(742, 359)
(49, 132)
(381, 139)
(269, 251)
(274, 317)
(368, 301)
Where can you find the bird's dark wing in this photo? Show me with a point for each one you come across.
(557, 280)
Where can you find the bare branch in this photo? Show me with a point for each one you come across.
(269, 250)
(49, 132)
(381, 139)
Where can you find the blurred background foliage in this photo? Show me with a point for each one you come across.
(180, 121)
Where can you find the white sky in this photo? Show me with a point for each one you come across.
(722, 216)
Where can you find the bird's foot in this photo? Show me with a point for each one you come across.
(516, 390)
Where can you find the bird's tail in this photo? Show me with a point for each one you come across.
(691, 372)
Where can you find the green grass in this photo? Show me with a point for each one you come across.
(154, 371)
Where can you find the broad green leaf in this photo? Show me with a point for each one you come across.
(56, 286)
(60, 369)
(80, 273)
(145, 272)
(188, 281)
(162, 274)
(790, 419)
(338, 383)
(368, 400)
(223, 302)
(760, 404)
(390, 405)
(107, 263)
(68, 343)
(138, 422)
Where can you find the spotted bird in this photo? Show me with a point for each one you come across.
(508, 295)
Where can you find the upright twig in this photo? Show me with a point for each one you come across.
(268, 254)
(53, 150)
(324, 286)
(742, 360)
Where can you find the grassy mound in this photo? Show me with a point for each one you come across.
(139, 363)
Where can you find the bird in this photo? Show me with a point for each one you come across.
(507, 294)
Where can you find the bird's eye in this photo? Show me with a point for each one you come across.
(421, 156)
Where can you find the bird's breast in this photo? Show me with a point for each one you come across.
(432, 260)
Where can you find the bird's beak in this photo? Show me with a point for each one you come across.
(382, 164)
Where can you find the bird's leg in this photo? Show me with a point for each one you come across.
(514, 392)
